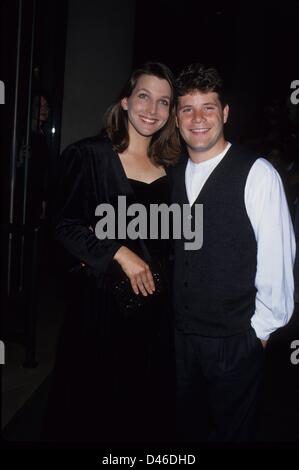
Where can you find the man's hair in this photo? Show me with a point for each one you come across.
(164, 147)
(200, 77)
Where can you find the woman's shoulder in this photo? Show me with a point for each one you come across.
(88, 151)
(97, 143)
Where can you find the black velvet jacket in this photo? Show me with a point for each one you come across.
(90, 173)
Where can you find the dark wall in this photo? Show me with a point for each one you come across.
(253, 44)
(98, 60)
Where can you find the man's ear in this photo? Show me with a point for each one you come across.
(124, 104)
(225, 113)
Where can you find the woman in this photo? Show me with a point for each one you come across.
(113, 376)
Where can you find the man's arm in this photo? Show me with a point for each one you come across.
(268, 212)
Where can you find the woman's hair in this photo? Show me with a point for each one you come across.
(164, 147)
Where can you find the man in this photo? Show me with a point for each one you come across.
(231, 294)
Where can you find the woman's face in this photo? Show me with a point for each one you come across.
(148, 106)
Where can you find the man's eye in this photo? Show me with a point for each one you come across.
(186, 110)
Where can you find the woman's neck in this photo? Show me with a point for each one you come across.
(138, 144)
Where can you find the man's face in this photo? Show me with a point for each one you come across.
(200, 119)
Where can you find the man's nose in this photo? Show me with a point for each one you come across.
(197, 115)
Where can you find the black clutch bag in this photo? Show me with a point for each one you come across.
(124, 297)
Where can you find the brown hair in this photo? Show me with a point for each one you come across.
(164, 148)
(200, 77)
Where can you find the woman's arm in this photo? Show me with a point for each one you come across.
(74, 213)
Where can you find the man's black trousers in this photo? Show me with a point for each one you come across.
(218, 387)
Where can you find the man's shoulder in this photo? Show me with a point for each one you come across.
(178, 169)
(262, 169)
(181, 163)
(243, 152)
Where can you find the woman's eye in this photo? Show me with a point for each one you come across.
(164, 102)
(142, 95)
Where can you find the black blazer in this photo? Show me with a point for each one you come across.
(90, 173)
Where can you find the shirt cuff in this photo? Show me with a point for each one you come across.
(262, 330)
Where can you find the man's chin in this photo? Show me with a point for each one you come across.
(200, 148)
(204, 147)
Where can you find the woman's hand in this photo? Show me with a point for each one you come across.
(137, 271)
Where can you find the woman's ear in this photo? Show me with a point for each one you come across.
(124, 104)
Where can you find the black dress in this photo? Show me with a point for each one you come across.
(113, 379)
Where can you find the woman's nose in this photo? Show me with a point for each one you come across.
(152, 107)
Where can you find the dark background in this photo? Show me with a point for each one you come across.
(79, 53)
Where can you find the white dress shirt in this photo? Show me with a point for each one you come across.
(269, 215)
